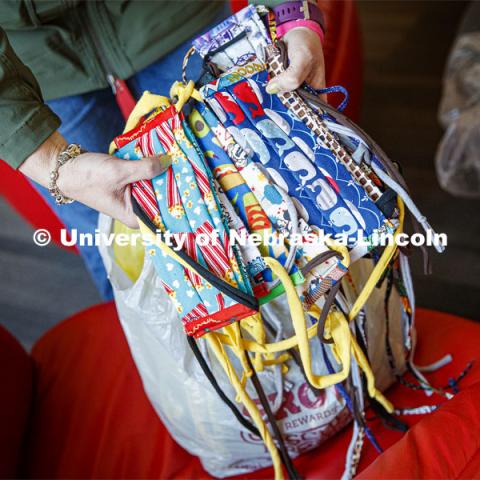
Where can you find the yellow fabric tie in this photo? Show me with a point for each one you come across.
(336, 327)
(249, 404)
(339, 331)
(183, 93)
(380, 267)
(129, 257)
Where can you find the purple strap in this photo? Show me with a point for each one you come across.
(298, 10)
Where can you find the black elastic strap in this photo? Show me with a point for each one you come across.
(213, 381)
(277, 435)
(329, 301)
(356, 411)
(232, 292)
(223, 47)
(388, 420)
(318, 260)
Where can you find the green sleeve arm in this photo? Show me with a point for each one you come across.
(25, 121)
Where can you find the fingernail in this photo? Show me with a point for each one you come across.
(272, 88)
(165, 159)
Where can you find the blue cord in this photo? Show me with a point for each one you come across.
(348, 401)
(336, 89)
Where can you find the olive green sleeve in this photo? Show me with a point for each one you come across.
(25, 121)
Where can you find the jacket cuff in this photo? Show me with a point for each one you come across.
(41, 123)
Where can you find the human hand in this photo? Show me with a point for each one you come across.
(100, 181)
(306, 62)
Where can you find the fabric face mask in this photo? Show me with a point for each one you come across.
(277, 205)
(236, 188)
(302, 111)
(295, 158)
(186, 205)
(235, 41)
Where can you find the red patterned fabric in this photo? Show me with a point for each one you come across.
(199, 317)
(91, 418)
(142, 190)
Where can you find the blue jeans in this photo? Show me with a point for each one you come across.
(93, 119)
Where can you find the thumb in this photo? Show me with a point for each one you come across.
(299, 69)
(147, 168)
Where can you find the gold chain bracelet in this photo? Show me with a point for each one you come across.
(72, 151)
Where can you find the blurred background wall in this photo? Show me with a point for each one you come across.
(405, 48)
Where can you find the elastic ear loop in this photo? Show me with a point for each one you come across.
(303, 334)
(380, 267)
(183, 93)
(236, 343)
(208, 373)
(219, 351)
(335, 89)
(338, 327)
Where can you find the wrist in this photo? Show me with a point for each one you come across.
(298, 10)
(310, 25)
(65, 158)
(41, 162)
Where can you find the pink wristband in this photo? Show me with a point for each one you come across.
(310, 24)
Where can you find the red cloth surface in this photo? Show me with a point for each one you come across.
(443, 445)
(91, 418)
(29, 204)
(16, 380)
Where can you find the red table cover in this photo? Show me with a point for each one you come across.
(91, 418)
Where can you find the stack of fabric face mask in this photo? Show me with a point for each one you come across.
(316, 308)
